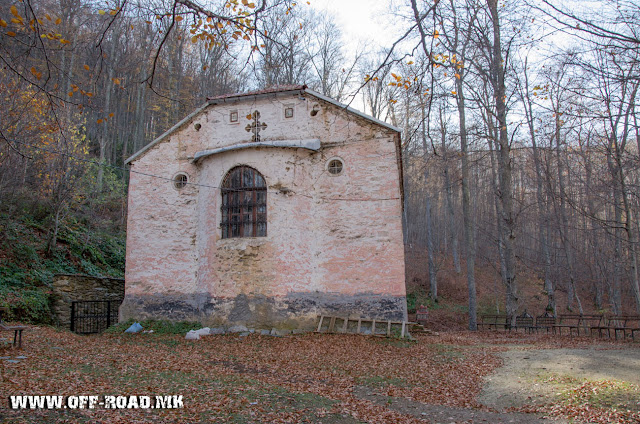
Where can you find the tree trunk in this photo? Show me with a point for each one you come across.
(504, 163)
(433, 280)
(564, 228)
(449, 198)
(543, 218)
(470, 246)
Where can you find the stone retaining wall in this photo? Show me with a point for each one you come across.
(70, 288)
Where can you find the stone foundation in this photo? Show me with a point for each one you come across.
(70, 288)
(296, 310)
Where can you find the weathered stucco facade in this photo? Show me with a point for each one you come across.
(334, 242)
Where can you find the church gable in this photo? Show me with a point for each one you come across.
(282, 205)
(289, 117)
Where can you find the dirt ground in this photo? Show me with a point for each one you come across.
(523, 379)
(528, 377)
(456, 377)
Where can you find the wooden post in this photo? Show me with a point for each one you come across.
(402, 333)
(320, 323)
(332, 324)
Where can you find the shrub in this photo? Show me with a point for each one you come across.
(26, 305)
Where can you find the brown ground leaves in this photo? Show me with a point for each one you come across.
(306, 378)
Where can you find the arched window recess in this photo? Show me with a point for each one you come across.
(244, 203)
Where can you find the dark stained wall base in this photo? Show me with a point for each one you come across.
(296, 310)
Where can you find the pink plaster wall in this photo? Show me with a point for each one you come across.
(337, 235)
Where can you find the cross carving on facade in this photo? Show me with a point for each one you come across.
(256, 126)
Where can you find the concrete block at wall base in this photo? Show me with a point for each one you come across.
(294, 311)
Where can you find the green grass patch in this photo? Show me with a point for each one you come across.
(395, 341)
(379, 381)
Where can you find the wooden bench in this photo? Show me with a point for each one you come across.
(17, 329)
(546, 321)
(495, 321)
(627, 324)
(524, 321)
(577, 322)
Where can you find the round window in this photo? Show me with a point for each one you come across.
(180, 181)
(335, 167)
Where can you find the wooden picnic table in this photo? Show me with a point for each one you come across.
(17, 329)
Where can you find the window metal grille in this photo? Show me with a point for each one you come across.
(244, 204)
(335, 167)
(180, 181)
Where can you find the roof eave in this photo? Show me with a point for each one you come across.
(241, 98)
(166, 134)
(352, 110)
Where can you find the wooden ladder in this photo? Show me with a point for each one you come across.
(403, 326)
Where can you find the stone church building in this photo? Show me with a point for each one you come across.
(267, 209)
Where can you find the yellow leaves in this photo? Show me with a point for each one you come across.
(454, 92)
(458, 76)
(87, 67)
(3, 23)
(35, 73)
(58, 21)
(194, 39)
(116, 81)
(47, 16)
(111, 115)
(101, 12)
(410, 62)
(63, 41)
(11, 33)
(17, 19)
(436, 34)
(113, 12)
(100, 121)
(178, 18)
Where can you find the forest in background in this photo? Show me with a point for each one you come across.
(520, 131)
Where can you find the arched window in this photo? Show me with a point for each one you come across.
(244, 203)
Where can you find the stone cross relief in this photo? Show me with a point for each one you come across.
(256, 126)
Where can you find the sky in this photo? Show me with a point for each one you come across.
(362, 21)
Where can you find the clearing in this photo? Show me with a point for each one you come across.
(452, 377)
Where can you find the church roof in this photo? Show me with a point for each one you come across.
(271, 91)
